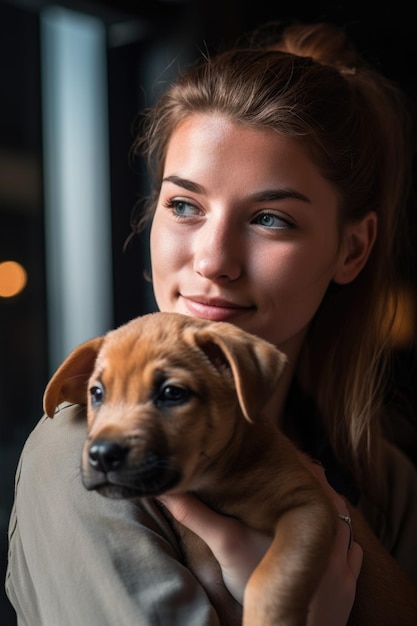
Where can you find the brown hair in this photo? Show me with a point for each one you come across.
(311, 84)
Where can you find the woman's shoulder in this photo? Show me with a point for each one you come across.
(72, 417)
(54, 440)
(395, 523)
(78, 557)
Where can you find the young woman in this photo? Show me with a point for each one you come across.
(280, 177)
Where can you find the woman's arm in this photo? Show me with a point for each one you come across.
(77, 558)
(239, 550)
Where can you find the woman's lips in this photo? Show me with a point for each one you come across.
(214, 310)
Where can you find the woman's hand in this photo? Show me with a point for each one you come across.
(239, 550)
(237, 547)
(334, 597)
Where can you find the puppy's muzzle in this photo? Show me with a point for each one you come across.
(115, 470)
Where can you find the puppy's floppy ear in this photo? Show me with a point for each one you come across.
(256, 364)
(69, 383)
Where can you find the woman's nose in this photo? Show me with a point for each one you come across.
(218, 253)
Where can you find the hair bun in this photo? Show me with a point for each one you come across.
(324, 42)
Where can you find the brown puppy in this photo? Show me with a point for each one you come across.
(175, 405)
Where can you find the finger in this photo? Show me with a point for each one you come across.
(317, 468)
(319, 472)
(192, 513)
(230, 540)
(237, 549)
(355, 559)
(345, 518)
(333, 600)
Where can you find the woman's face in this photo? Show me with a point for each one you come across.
(245, 230)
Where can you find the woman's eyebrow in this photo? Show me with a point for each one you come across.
(189, 185)
(267, 195)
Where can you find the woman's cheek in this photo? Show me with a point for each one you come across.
(166, 254)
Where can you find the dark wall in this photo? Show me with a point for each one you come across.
(23, 317)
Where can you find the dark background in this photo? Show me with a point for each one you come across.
(387, 36)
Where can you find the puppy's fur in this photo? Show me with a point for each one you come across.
(175, 405)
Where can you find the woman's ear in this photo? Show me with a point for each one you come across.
(357, 242)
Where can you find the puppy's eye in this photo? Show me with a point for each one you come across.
(96, 395)
(170, 395)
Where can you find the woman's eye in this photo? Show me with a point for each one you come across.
(182, 208)
(273, 221)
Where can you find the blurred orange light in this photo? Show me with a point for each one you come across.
(13, 279)
(404, 325)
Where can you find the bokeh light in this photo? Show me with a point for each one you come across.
(403, 331)
(13, 279)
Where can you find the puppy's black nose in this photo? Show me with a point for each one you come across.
(106, 456)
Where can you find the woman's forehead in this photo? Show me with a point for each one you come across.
(206, 150)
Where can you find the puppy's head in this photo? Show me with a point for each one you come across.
(165, 394)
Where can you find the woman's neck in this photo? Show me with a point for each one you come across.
(275, 406)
